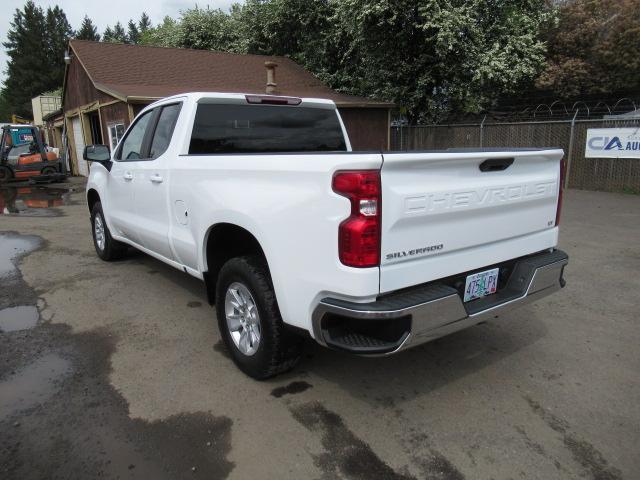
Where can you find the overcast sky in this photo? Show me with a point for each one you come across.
(102, 13)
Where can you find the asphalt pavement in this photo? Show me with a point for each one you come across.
(116, 370)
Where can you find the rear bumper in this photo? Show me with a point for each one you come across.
(414, 316)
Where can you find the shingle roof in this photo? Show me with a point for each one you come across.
(131, 72)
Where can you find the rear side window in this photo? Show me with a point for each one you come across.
(264, 129)
(164, 130)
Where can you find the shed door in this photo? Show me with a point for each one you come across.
(78, 140)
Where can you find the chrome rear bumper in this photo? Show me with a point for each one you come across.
(424, 313)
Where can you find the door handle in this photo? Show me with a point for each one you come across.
(495, 164)
(128, 176)
(156, 178)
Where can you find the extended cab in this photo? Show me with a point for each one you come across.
(292, 232)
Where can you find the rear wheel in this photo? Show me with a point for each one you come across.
(106, 247)
(48, 171)
(5, 174)
(250, 322)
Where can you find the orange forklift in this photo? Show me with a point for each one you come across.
(23, 155)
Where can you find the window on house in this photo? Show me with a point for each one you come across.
(116, 131)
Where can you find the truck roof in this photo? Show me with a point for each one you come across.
(221, 97)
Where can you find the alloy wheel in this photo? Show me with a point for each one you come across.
(243, 319)
(98, 231)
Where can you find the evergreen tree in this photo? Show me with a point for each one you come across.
(144, 24)
(57, 34)
(5, 109)
(133, 34)
(28, 60)
(119, 35)
(107, 36)
(115, 34)
(88, 31)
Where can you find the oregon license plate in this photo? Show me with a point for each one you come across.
(481, 284)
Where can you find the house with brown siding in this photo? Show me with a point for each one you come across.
(107, 84)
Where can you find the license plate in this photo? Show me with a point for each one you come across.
(481, 284)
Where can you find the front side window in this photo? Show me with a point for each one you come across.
(132, 145)
(265, 128)
(164, 130)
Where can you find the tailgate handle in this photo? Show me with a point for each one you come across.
(496, 164)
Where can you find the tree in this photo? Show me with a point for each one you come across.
(593, 48)
(201, 28)
(299, 29)
(144, 24)
(210, 29)
(28, 60)
(5, 108)
(57, 34)
(107, 36)
(133, 34)
(119, 35)
(115, 35)
(437, 56)
(431, 57)
(163, 35)
(88, 31)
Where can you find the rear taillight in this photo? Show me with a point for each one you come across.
(359, 235)
(560, 191)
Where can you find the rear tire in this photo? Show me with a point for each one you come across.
(5, 174)
(107, 248)
(271, 350)
(48, 171)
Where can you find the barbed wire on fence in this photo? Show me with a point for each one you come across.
(556, 109)
(568, 134)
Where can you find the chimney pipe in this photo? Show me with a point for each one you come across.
(271, 76)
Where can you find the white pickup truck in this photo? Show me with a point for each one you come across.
(293, 233)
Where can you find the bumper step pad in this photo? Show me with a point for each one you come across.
(361, 343)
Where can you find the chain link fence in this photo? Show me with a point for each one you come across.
(609, 174)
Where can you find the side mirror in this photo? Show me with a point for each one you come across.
(99, 154)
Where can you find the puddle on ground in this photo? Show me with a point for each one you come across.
(32, 201)
(11, 247)
(33, 384)
(22, 317)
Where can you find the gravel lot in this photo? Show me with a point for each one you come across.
(120, 373)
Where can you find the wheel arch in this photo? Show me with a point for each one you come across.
(92, 198)
(224, 241)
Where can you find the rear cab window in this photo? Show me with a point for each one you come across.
(236, 128)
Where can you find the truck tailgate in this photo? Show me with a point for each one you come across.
(448, 212)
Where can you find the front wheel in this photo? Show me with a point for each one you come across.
(106, 247)
(250, 322)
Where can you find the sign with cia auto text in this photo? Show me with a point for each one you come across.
(613, 143)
